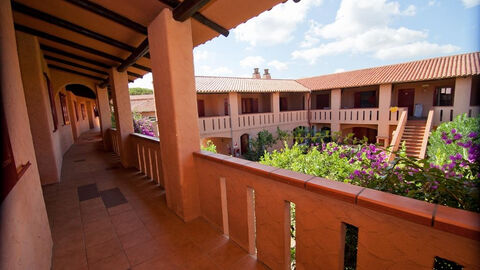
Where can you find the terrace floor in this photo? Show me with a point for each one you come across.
(105, 217)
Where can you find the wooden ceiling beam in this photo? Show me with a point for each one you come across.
(73, 56)
(187, 8)
(75, 72)
(139, 52)
(37, 14)
(199, 17)
(63, 61)
(106, 13)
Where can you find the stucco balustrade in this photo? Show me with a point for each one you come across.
(474, 111)
(394, 232)
(359, 116)
(148, 157)
(114, 137)
(442, 114)
(293, 116)
(321, 116)
(214, 124)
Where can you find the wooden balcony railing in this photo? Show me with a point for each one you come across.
(250, 202)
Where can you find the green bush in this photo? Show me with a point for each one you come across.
(439, 150)
(258, 145)
(140, 91)
(210, 147)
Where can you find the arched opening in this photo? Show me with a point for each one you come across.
(244, 143)
(81, 90)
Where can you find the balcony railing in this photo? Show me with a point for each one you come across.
(442, 114)
(251, 202)
(321, 116)
(359, 116)
(246, 121)
(474, 111)
(293, 116)
(115, 139)
(214, 124)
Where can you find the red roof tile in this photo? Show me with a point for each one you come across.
(428, 69)
(208, 84)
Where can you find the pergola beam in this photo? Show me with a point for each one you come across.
(199, 17)
(63, 61)
(75, 72)
(73, 56)
(138, 53)
(37, 14)
(106, 13)
(187, 8)
(63, 41)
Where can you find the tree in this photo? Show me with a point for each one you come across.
(140, 91)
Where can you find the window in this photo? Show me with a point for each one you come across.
(63, 105)
(366, 99)
(249, 105)
(84, 112)
(52, 103)
(443, 96)
(75, 108)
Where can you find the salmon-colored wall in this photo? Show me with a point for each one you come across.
(214, 103)
(26, 241)
(223, 145)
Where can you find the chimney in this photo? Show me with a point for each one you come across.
(256, 74)
(266, 75)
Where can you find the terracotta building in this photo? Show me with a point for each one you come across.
(77, 194)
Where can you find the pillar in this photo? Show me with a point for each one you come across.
(105, 117)
(461, 99)
(233, 103)
(384, 102)
(171, 55)
(73, 112)
(39, 108)
(90, 114)
(275, 101)
(123, 116)
(335, 102)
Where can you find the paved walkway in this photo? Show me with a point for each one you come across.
(105, 217)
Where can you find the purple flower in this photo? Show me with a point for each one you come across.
(448, 141)
(473, 134)
(444, 136)
(453, 131)
(457, 136)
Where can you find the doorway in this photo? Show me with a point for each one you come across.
(244, 143)
(406, 98)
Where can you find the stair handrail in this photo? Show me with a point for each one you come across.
(426, 134)
(397, 135)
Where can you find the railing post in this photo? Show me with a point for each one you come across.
(397, 137)
(426, 134)
(384, 101)
(336, 101)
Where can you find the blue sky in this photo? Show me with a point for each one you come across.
(315, 37)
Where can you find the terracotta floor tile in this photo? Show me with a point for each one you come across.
(157, 264)
(124, 217)
(128, 226)
(118, 261)
(143, 252)
(104, 250)
(200, 263)
(100, 236)
(67, 236)
(97, 225)
(119, 209)
(248, 263)
(68, 247)
(70, 261)
(135, 237)
(227, 254)
(94, 216)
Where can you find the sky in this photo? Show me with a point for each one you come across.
(316, 37)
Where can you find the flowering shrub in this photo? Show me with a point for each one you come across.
(143, 126)
(453, 137)
(454, 183)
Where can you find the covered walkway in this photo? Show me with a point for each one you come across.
(105, 217)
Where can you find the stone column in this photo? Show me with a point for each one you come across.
(275, 101)
(233, 103)
(123, 116)
(171, 54)
(105, 117)
(461, 99)
(335, 102)
(384, 102)
(90, 114)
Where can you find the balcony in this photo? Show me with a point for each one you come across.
(248, 202)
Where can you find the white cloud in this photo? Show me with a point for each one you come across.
(145, 82)
(206, 70)
(278, 65)
(275, 26)
(339, 70)
(470, 3)
(362, 26)
(199, 54)
(252, 61)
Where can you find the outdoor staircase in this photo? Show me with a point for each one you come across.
(413, 137)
